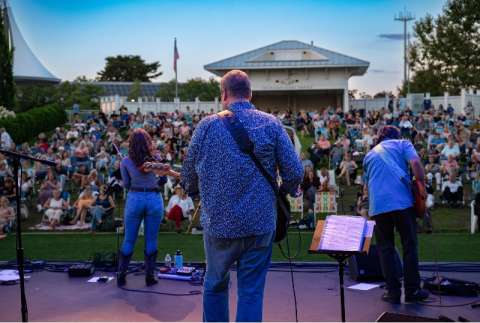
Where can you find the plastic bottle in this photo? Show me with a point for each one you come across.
(178, 259)
(168, 260)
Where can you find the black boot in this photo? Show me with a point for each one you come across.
(150, 261)
(123, 262)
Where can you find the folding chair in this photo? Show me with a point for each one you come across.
(325, 202)
(473, 218)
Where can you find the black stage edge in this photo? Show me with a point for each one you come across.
(56, 297)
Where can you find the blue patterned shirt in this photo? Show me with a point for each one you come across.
(237, 201)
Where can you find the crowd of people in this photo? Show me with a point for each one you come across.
(448, 144)
(82, 189)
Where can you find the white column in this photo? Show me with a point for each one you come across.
(197, 103)
(217, 104)
(409, 100)
(157, 105)
(116, 105)
(461, 109)
(445, 100)
(346, 106)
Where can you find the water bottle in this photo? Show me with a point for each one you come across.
(141, 231)
(178, 259)
(168, 261)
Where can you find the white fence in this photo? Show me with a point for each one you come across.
(415, 101)
(112, 104)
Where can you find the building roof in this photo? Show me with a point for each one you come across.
(123, 88)
(26, 66)
(288, 54)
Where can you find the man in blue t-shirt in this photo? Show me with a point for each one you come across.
(386, 169)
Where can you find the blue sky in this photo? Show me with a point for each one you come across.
(73, 37)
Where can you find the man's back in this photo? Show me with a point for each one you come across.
(237, 200)
(383, 166)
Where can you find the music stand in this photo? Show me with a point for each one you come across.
(340, 256)
(15, 158)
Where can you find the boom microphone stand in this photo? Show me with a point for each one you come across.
(15, 158)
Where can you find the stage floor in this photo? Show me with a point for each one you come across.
(56, 297)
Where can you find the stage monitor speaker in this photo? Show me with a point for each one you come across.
(366, 267)
(398, 317)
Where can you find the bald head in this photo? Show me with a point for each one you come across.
(235, 87)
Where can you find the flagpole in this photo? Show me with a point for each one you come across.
(175, 59)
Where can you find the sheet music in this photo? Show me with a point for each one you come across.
(343, 233)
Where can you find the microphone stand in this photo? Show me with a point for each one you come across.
(15, 158)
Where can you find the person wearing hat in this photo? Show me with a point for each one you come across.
(386, 169)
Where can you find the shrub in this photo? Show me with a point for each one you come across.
(27, 125)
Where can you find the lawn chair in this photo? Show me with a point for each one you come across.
(473, 218)
(325, 202)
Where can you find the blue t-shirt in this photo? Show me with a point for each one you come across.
(386, 191)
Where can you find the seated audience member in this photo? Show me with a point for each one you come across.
(55, 206)
(405, 127)
(347, 169)
(82, 154)
(27, 184)
(450, 165)
(82, 205)
(102, 159)
(452, 190)
(362, 203)
(103, 205)
(180, 206)
(320, 149)
(324, 180)
(433, 171)
(80, 175)
(91, 180)
(49, 185)
(309, 186)
(7, 216)
(450, 149)
(307, 163)
(336, 155)
(8, 190)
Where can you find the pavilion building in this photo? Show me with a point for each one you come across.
(294, 75)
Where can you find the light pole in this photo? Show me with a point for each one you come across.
(405, 16)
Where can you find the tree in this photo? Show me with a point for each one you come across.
(205, 90)
(444, 56)
(135, 90)
(64, 94)
(167, 91)
(7, 84)
(383, 94)
(199, 88)
(128, 68)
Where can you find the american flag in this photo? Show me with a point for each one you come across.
(175, 55)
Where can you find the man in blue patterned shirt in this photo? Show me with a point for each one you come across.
(238, 204)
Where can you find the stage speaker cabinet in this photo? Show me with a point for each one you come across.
(399, 317)
(81, 270)
(366, 267)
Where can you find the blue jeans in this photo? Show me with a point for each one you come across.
(252, 255)
(147, 206)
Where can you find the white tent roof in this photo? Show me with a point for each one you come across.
(26, 66)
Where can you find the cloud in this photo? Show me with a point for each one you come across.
(391, 36)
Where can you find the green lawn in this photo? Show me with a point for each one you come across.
(81, 246)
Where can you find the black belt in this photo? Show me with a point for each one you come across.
(144, 189)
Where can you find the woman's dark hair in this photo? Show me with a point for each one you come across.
(388, 132)
(139, 147)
